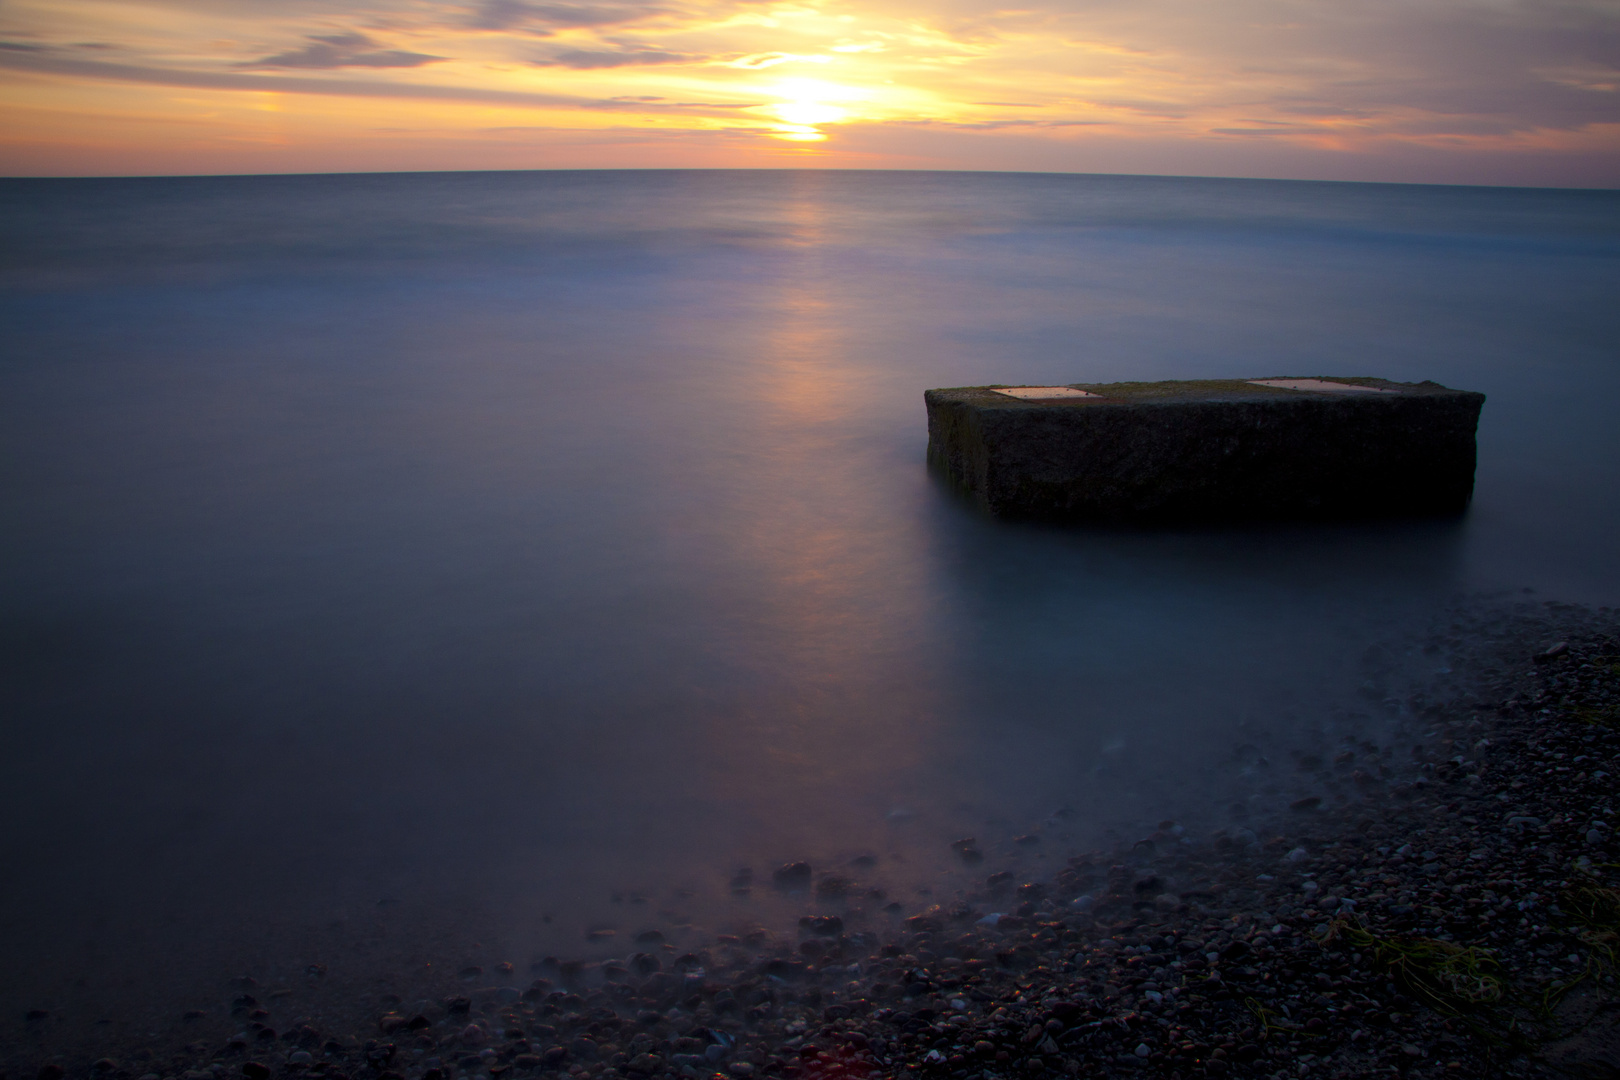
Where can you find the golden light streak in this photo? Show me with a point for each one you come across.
(798, 133)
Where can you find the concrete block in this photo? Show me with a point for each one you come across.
(1209, 450)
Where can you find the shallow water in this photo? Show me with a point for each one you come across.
(497, 545)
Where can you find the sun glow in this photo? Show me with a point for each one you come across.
(809, 103)
(810, 112)
(798, 133)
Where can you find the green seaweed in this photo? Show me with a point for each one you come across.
(1606, 716)
(1269, 1020)
(1596, 910)
(1452, 979)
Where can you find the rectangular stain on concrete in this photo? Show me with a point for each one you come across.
(1216, 449)
(1043, 393)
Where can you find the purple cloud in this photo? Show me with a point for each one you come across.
(590, 60)
(327, 51)
(539, 18)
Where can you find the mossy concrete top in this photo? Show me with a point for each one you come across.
(1185, 390)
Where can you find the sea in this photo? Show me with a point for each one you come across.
(403, 573)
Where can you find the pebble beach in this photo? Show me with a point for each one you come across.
(1443, 904)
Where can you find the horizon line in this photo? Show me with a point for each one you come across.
(802, 169)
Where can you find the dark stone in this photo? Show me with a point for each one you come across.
(792, 876)
(1551, 652)
(1210, 450)
(825, 925)
(254, 1070)
(833, 886)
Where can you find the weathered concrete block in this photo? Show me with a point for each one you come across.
(1322, 447)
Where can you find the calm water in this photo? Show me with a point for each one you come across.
(493, 544)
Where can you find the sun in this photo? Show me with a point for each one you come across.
(806, 104)
(809, 113)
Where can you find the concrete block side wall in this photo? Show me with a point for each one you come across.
(1273, 456)
(956, 444)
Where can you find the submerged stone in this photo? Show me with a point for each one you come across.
(1219, 449)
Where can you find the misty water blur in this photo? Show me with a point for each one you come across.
(499, 544)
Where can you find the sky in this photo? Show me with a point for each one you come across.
(1518, 92)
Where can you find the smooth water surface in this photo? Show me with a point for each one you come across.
(512, 547)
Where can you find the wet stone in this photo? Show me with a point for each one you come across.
(794, 875)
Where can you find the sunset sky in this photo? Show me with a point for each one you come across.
(1450, 91)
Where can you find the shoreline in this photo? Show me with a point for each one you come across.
(1457, 872)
